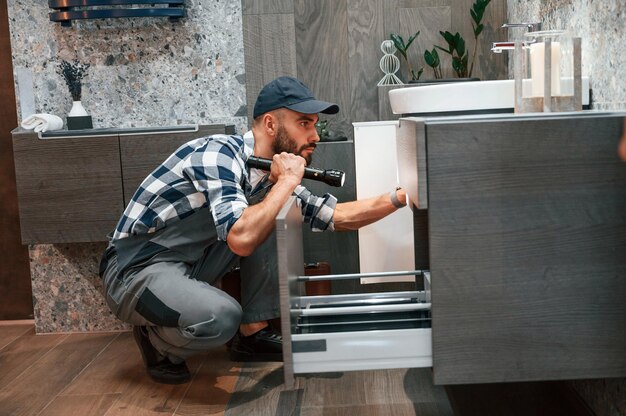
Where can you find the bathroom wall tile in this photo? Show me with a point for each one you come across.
(601, 26)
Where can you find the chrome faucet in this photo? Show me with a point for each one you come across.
(532, 27)
(498, 47)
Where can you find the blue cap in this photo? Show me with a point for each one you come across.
(289, 92)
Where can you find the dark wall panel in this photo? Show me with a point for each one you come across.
(270, 51)
(429, 21)
(365, 34)
(337, 46)
(489, 65)
(16, 299)
(339, 249)
(267, 6)
(322, 55)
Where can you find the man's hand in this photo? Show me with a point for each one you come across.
(349, 216)
(257, 221)
(287, 166)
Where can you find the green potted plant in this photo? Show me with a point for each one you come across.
(433, 61)
(456, 45)
(403, 49)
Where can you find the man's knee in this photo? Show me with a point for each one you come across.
(219, 322)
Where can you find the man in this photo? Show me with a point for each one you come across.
(201, 213)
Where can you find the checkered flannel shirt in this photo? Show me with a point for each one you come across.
(208, 173)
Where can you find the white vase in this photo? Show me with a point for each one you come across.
(77, 110)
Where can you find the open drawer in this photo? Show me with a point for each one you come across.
(351, 331)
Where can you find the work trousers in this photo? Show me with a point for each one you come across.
(176, 299)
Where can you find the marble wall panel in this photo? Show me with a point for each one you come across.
(144, 71)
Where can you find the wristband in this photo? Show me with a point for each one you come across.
(394, 199)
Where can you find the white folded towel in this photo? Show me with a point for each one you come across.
(42, 122)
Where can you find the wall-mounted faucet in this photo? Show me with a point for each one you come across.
(532, 27)
(498, 47)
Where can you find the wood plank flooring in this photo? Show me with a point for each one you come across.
(101, 374)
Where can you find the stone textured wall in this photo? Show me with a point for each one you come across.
(602, 27)
(67, 289)
(144, 71)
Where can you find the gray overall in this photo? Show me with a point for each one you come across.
(164, 280)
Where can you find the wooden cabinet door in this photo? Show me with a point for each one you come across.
(527, 248)
(69, 189)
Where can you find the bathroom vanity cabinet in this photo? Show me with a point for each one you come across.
(527, 237)
(527, 279)
(73, 186)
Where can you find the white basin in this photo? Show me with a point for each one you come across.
(460, 96)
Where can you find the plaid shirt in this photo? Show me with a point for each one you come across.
(209, 172)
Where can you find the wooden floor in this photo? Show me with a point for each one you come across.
(102, 374)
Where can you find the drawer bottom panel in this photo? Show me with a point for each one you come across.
(362, 350)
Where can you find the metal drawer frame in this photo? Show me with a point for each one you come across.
(372, 346)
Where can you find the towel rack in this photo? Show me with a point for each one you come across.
(68, 10)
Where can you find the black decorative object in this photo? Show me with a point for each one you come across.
(73, 73)
(68, 10)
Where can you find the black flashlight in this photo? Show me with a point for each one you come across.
(331, 177)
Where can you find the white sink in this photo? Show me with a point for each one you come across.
(460, 96)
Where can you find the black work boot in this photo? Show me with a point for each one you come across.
(265, 345)
(160, 368)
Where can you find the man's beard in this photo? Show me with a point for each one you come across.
(285, 143)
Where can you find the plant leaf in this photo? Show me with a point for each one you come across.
(442, 49)
(399, 44)
(398, 41)
(479, 29)
(474, 16)
(428, 57)
(415, 76)
(449, 37)
(411, 39)
(456, 64)
(432, 58)
(460, 46)
(436, 57)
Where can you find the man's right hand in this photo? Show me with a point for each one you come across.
(257, 221)
(287, 166)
